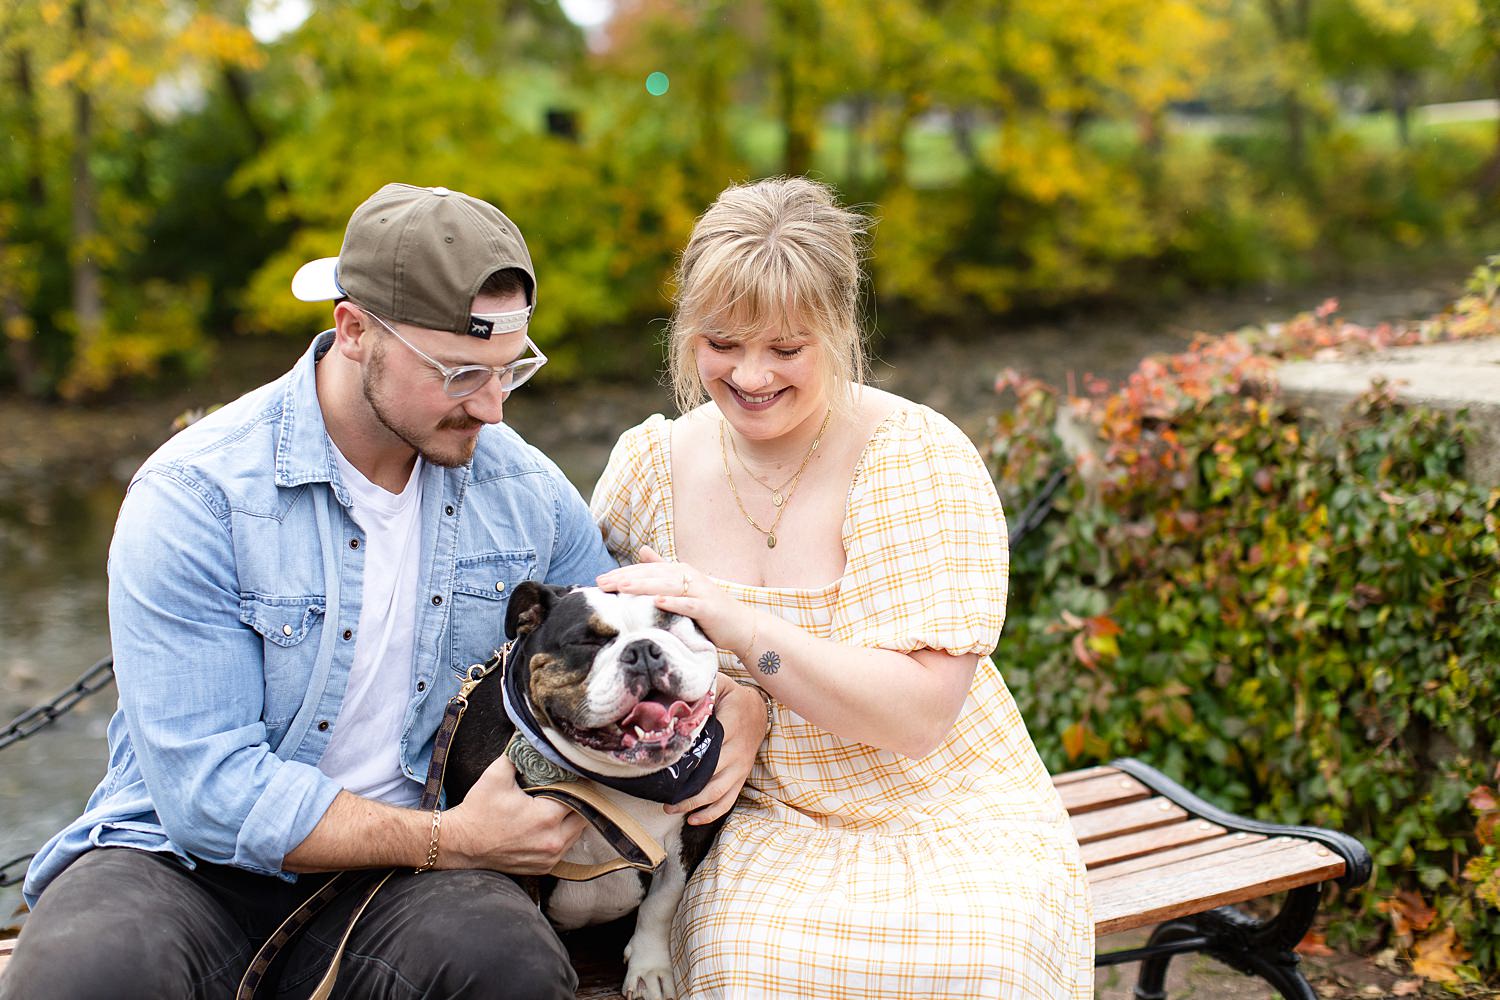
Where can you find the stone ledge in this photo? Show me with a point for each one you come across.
(1449, 376)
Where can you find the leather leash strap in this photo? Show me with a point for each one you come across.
(300, 917)
(637, 848)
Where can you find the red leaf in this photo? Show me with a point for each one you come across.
(1409, 912)
(1080, 650)
(1314, 944)
(1102, 625)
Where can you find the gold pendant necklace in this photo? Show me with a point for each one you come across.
(777, 498)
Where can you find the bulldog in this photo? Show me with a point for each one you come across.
(620, 693)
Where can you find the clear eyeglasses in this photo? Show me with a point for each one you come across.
(465, 380)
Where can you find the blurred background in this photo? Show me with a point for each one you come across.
(168, 163)
(1061, 186)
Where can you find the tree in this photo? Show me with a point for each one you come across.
(1488, 46)
(78, 311)
(1394, 44)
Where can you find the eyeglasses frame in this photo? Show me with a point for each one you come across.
(449, 374)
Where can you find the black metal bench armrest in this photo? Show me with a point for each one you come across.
(1357, 863)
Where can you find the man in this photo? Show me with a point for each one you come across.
(296, 583)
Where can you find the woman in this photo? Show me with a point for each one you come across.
(845, 550)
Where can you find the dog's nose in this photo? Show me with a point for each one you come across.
(642, 660)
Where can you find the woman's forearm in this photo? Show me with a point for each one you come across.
(903, 702)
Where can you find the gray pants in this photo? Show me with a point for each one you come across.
(122, 923)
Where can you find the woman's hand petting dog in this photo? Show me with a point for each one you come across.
(499, 827)
(681, 589)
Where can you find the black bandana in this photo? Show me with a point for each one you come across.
(675, 783)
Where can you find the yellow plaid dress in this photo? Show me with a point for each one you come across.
(845, 870)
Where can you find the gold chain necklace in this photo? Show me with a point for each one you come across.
(777, 496)
(790, 485)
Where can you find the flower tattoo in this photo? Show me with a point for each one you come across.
(769, 662)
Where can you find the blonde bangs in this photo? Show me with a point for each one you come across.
(777, 254)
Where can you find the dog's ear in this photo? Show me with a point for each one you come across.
(529, 605)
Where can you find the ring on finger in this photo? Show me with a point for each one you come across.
(684, 585)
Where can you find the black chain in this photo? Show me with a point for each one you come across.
(1036, 511)
(9, 878)
(95, 678)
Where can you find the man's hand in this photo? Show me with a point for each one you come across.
(498, 826)
(742, 713)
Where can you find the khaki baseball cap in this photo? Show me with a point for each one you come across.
(419, 255)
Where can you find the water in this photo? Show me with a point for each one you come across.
(55, 520)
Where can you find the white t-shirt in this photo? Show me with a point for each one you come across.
(364, 752)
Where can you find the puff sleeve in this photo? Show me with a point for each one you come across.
(627, 503)
(927, 560)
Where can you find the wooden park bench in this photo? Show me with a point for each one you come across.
(1157, 855)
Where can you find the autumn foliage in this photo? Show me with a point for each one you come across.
(1301, 621)
(166, 168)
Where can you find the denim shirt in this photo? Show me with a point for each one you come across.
(234, 595)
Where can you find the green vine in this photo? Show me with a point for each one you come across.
(1302, 621)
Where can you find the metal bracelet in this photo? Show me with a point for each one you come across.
(770, 704)
(432, 848)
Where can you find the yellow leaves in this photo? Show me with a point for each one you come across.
(66, 71)
(1072, 740)
(1079, 740)
(1484, 872)
(1043, 162)
(150, 323)
(1390, 16)
(1437, 953)
(1438, 956)
(217, 41)
(126, 51)
(1444, 20)
(19, 328)
(1094, 638)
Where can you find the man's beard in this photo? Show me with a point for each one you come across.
(390, 418)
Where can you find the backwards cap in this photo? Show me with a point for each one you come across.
(419, 256)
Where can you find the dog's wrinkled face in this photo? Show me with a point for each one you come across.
(622, 687)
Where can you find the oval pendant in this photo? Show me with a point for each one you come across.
(770, 541)
(777, 500)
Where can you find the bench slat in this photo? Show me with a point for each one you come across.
(1069, 777)
(1117, 821)
(1080, 797)
(1198, 884)
(1148, 842)
(1101, 872)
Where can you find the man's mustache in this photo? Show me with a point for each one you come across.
(464, 423)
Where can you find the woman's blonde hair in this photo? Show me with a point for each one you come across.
(777, 252)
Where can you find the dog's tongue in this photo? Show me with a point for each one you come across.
(653, 716)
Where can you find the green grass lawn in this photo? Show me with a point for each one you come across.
(934, 159)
